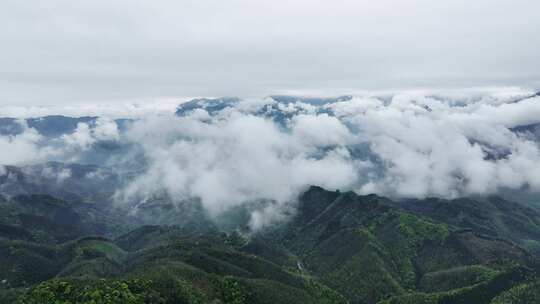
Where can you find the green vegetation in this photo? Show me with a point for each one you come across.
(521, 294)
(418, 230)
(453, 278)
(89, 292)
(338, 248)
(482, 292)
(107, 249)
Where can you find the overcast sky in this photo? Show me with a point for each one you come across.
(68, 51)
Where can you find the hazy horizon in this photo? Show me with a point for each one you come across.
(59, 52)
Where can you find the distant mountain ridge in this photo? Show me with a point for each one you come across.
(52, 126)
(215, 105)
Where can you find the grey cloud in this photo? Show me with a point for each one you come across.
(60, 52)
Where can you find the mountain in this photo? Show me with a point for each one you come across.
(274, 103)
(46, 219)
(48, 126)
(338, 247)
(367, 250)
(279, 108)
(52, 126)
(534, 95)
(316, 101)
(211, 105)
(89, 190)
(492, 216)
(65, 181)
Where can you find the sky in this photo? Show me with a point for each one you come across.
(72, 52)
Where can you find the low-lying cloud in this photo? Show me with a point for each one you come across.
(30, 146)
(235, 159)
(405, 145)
(21, 148)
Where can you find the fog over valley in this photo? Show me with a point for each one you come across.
(228, 152)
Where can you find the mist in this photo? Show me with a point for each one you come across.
(407, 145)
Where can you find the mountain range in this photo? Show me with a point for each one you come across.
(69, 233)
(338, 247)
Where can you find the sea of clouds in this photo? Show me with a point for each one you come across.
(411, 144)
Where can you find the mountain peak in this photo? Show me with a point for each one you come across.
(211, 105)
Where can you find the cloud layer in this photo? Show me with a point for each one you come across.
(236, 159)
(61, 52)
(411, 144)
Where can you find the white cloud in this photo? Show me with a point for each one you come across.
(231, 161)
(81, 138)
(85, 135)
(49, 172)
(320, 130)
(21, 148)
(429, 147)
(30, 147)
(106, 129)
(412, 144)
(110, 109)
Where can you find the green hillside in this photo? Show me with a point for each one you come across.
(337, 248)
